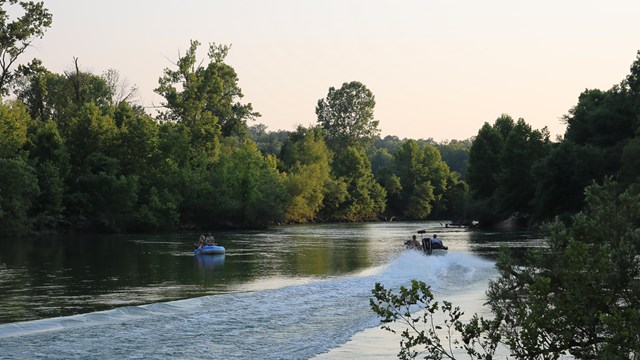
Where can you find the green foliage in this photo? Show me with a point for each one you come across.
(516, 183)
(484, 155)
(249, 190)
(602, 118)
(268, 142)
(50, 158)
(205, 98)
(501, 177)
(562, 176)
(424, 180)
(455, 154)
(306, 158)
(18, 188)
(137, 140)
(366, 198)
(59, 97)
(630, 162)
(17, 34)
(579, 296)
(346, 116)
(13, 129)
(433, 331)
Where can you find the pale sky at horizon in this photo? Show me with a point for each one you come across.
(438, 69)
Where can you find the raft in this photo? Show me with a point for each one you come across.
(209, 250)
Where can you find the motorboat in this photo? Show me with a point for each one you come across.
(209, 250)
(428, 246)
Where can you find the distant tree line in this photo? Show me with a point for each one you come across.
(515, 169)
(77, 153)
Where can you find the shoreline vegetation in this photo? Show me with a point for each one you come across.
(77, 155)
(577, 296)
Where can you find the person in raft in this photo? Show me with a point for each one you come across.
(200, 242)
(210, 240)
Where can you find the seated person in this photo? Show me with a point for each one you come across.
(436, 243)
(200, 242)
(413, 243)
(210, 240)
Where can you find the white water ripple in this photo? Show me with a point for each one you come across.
(291, 322)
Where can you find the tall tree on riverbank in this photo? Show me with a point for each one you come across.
(366, 199)
(205, 98)
(307, 170)
(501, 163)
(601, 140)
(17, 35)
(346, 115)
(18, 183)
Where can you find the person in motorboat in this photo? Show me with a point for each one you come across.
(413, 243)
(436, 243)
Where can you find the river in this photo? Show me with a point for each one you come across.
(290, 292)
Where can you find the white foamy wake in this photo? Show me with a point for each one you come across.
(299, 319)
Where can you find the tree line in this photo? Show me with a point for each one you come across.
(77, 153)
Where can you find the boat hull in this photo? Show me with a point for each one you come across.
(209, 250)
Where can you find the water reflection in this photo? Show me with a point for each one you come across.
(57, 276)
(209, 262)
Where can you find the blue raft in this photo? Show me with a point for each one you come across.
(209, 250)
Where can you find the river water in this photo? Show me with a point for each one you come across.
(291, 292)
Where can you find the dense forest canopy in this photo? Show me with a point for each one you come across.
(77, 154)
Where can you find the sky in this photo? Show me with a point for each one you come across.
(438, 68)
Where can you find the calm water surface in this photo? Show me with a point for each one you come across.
(285, 293)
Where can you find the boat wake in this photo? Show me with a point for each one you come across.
(298, 320)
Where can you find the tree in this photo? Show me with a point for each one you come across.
(17, 35)
(121, 90)
(500, 174)
(61, 97)
(579, 296)
(13, 129)
(455, 154)
(18, 183)
(516, 184)
(630, 162)
(205, 98)
(50, 158)
(18, 188)
(268, 142)
(99, 197)
(249, 190)
(561, 177)
(424, 180)
(306, 158)
(484, 154)
(415, 307)
(602, 118)
(366, 198)
(346, 115)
